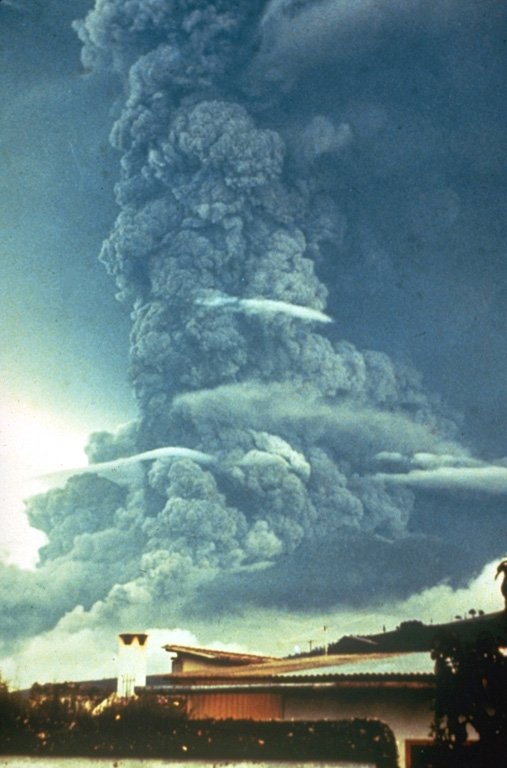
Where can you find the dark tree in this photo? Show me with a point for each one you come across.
(13, 714)
(471, 691)
(502, 569)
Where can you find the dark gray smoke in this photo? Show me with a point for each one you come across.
(233, 215)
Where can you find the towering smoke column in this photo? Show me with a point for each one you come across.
(210, 203)
(217, 200)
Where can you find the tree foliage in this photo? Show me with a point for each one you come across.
(53, 722)
(470, 696)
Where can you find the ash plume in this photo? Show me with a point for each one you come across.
(228, 225)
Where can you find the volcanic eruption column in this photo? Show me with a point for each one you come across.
(215, 250)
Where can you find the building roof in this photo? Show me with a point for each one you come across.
(312, 666)
(220, 658)
(375, 663)
(309, 683)
(366, 679)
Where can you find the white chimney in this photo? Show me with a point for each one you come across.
(132, 663)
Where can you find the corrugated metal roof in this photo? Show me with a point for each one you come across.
(343, 675)
(366, 677)
(391, 663)
(347, 663)
(307, 683)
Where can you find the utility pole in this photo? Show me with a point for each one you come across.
(326, 646)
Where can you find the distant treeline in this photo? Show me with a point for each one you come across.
(146, 728)
(415, 636)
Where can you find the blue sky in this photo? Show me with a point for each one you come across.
(63, 335)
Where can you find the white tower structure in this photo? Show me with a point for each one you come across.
(132, 663)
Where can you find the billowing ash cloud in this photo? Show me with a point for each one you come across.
(221, 248)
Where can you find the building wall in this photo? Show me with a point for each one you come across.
(238, 706)
(406, 711)
(190, 664)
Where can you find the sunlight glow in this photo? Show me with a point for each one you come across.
(32, 443)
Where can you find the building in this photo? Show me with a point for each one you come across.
(394, 688)
(189, 659)
(132, 663)
(388, 676)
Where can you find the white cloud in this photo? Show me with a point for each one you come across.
(124, 471)
(477, 479)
